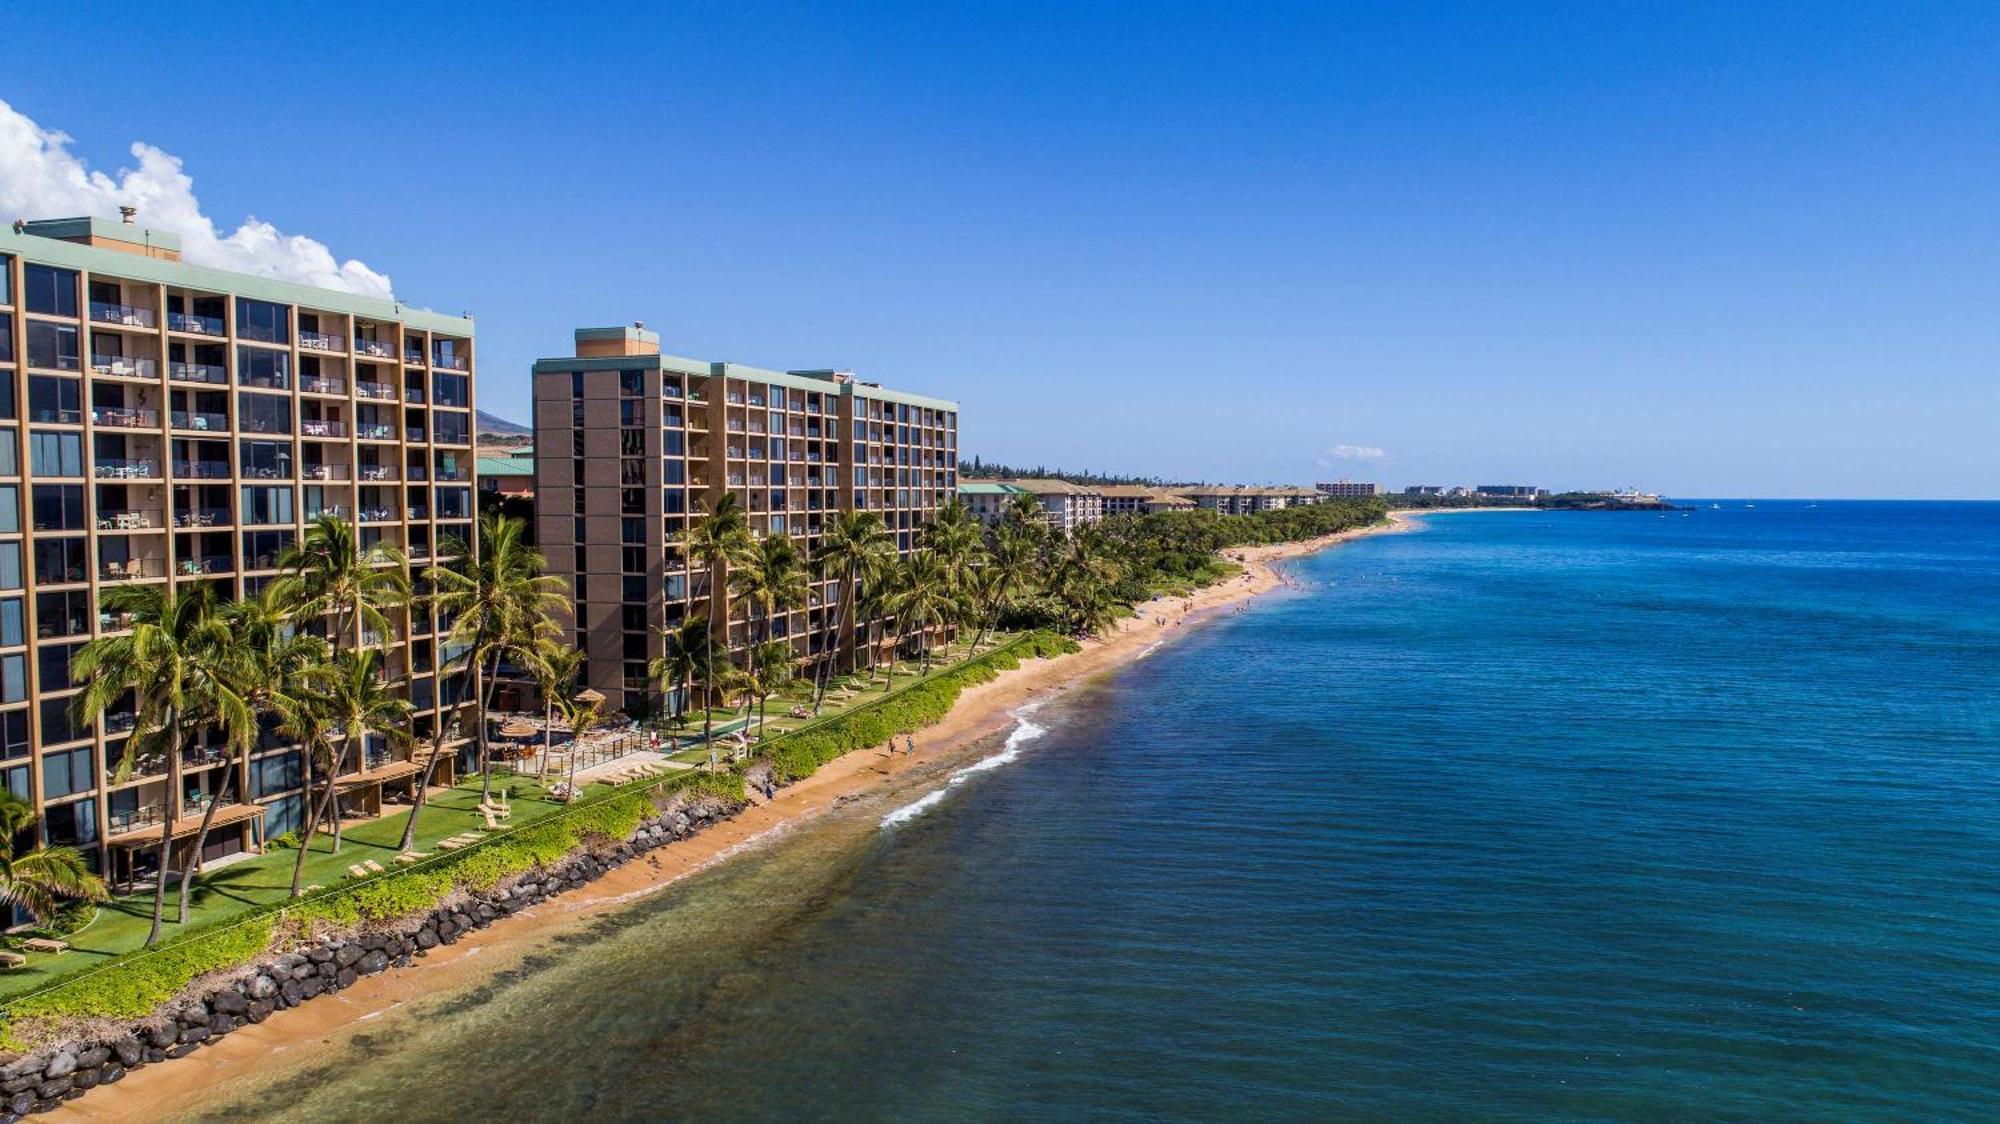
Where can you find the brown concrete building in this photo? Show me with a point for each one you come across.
(167, 423)
(631, 446)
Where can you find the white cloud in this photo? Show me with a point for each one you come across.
(40, 178)
(1350, 453)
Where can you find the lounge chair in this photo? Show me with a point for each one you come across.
(374, 867)
(449, 844)
(492, 820)
(43, 944)
(12, 961)
(356, 870)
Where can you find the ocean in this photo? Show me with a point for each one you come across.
(1521, 816)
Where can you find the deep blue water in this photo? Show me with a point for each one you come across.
(1521, 816)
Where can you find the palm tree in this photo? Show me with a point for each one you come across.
(771, 579)
(582, 712)
(1010, 564)
(306, 716)
(1082, 577)
(555, 667)
(770, 668)
(882, 599)
(501, 604)
(39, 879)
(684, 651)
(857, 546)
(362, 698)
(174, 661)
(926, 600)
(328, 571)
(1027, 513)
(716, 541)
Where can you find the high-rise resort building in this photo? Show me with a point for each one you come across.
(169, 424)
(631, 446)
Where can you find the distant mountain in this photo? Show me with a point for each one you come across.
(501, 427)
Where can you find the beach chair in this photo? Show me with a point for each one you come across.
(449, 844)
(492, 821)
(12, 961)
(43, 944)
(374, 867)
(356, 870)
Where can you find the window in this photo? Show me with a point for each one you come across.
(259, 367)
(263, 413)
(632, 530)
(265, 506)
(73, 825)
(266, 460)
(57, 560)
(278, 773)
(55, 454)
(50, 290)
(12, 628)
(449, 390)
(59, 507)
(454, 503)
(52, 660)
(6, 329)
(283, 815)
(14, 729)
(633, 617)
(13, 678)
(52, 347)
(6, 279)
(452, 427)
(10, 508)
(263, 322)
(64, 773)
(631, 383)
(10, 565)
(52, 399)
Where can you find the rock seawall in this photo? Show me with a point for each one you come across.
(224, 1001)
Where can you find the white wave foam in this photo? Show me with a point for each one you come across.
(1148, 650)
(1024, 732)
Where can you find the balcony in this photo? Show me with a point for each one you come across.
(202, 470)
(198, 421)
(123, 572)
(267, 471)
(120, 418)
(378, 514)
(126, 521)
(200, 565)
(374, 348)
(451, 363)
(413, 395)
(311, 428)
(375, 390)
(419, 512)
(374, 431)
(415, 435)
(378, 472)
(320, 384)
(318, 341)
(119, 365)
(412, 358)
(202, 517)
(324, 472)
(197, 325)
(211, 373)
(124, 315)
(333, 509)
(419, 472)
(119, 468)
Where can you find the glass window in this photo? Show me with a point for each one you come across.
(267, 460)
(59, 507)
(50, 290)
(263, 322)
(267, 505)
(449, 390)
(6, 329)
(262, 367)
(283, 815)
(52, 347)
(13, 678)
(10, 458)
(6, 279)
(63, 773)
(263, 413)
(10, 508)
(54, 399)
(73, 825)
(452, 427)
(10, 565)
(55, 454)
(12, 618)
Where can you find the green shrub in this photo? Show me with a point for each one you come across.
(286, 842)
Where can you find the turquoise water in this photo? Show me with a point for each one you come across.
(1522, 816)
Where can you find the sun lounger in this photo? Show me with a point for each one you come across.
(408, 857)
(43, 944)
(374, 866)
(10, 961)
(492, 821)
(449, 844)
(357, 871)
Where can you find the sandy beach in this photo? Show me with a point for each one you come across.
(291, 1035)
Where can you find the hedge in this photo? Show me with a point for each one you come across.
(134, 985)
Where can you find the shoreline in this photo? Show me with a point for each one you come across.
(982, 712)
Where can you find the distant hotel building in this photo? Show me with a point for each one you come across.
(988, 501)
(1349, 489)
(1233, 499)
(1142, 499)
(633, 445)
(1527, 492)
(168, 424)
(1065, 506)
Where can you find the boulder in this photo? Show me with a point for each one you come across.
(113, 1074)
(194, 1034)
(128, 1050)
(374, 962)
(349, 953)
(164, 1035)
(228, 1002)
(261, 987)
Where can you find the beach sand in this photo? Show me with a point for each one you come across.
(294, 1036)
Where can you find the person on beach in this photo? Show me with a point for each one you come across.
(909, 745)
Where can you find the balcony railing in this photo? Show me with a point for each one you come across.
(451, 363)
(318, 341)
(377, 472)
(267, 471)
(414, 435)
(419, 472)
(121, 366)
(413, 358)
(197, 421)
(199, 325)
(126, 571)
(413, 395)
(376, 348)
(375, 390)
(125, 520)
(419, 512)
(119, 468)
(374, 431)
(202, 470)
(122, 418)
(202, 517)
(378, 515)
(333, 509)
(324, 472)
(58, 416)
(207, 564)
(320, 384)
(211, 373)
(313, 428)
(125, 314)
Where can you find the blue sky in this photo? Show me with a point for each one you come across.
(1727, 249)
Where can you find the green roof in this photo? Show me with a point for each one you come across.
(505, 466)
(988, 488)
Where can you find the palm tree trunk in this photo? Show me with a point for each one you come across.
(485, 752)
(548, 735)
(171, 809)
(833, 654)
(311, 824)
(423, 788)
(201, 840)
(992, 617)
(333, 787)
